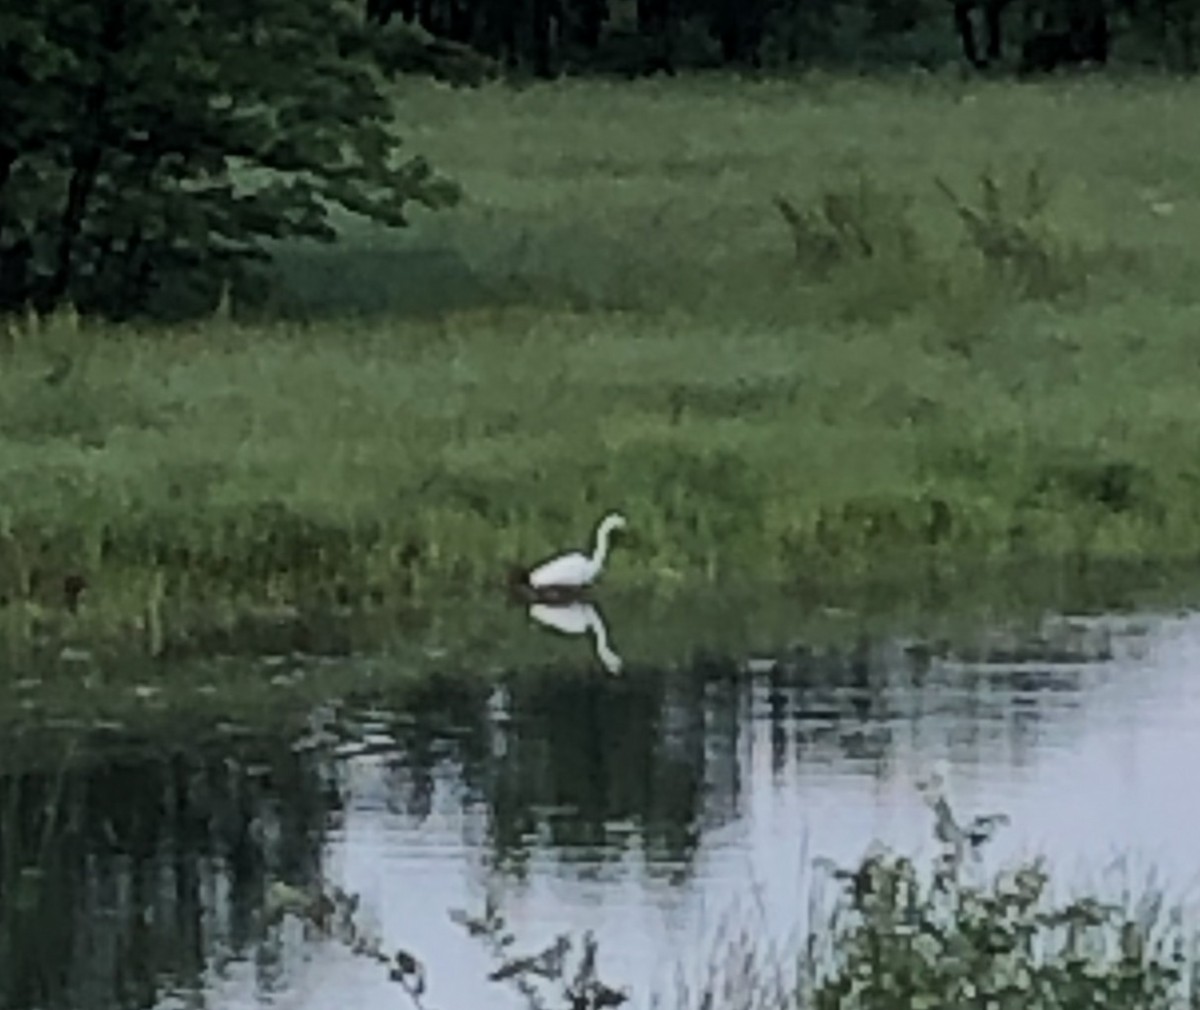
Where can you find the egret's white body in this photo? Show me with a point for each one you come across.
(577, 570)
(579, 619)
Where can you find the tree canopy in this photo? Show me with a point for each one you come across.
(546, 37)
(144, 141)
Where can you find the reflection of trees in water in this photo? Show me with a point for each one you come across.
(575, 764)
(863, 704)
(440, 734)
(117, 879)
(588, 758)
(578, 764)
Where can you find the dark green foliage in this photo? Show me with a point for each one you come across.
(401, 48)
(904, 937)
(892, 17)
(152, 146)
(1114, 486)
(546, 37)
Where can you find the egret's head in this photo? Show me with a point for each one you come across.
(613, 521)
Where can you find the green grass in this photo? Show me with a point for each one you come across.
(620, 317)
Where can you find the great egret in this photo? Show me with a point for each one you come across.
(569, 573)
(578, 619)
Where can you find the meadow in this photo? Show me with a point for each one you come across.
(802, 332)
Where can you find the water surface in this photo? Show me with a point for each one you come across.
(651, 805)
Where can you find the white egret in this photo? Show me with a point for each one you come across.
(578, 619)
(575, 571)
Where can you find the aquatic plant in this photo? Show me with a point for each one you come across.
(549, 978)
(897, 934)
(332, 913)
(952, 936)
(546, 978)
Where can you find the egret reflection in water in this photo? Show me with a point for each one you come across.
(579, 619)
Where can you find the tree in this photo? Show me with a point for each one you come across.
(739, 26)
(588, 22)
(148, 140)
(992, 11)
(1069, 33)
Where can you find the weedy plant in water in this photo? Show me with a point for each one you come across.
(896, 936)
(332, 913)
(955, 937)
(541, 976)
(547, 979)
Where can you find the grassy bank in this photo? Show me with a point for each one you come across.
(934, 361)
(256, 674)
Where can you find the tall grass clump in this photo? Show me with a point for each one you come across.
(1020, 249)
(863, 242)
(862, 235)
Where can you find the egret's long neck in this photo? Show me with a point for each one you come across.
(601, 550)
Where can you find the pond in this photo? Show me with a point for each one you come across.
(654, 804)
